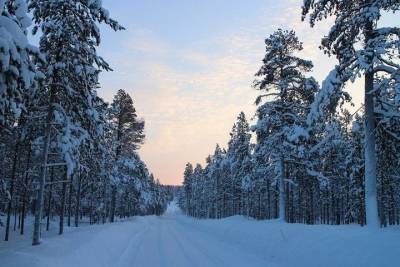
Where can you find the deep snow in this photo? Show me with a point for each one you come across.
(177, 240)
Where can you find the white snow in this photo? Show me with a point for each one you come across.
(177, 240)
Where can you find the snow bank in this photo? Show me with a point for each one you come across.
(307, 245)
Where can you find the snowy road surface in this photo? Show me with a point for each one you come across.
(170, 240)
(176, 240)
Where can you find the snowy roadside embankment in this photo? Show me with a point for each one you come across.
(306, 245)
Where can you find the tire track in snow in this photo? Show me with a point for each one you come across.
(188, 250)
(206, 256)
(133, 246)
(217, 248)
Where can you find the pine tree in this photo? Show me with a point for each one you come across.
(388, 143)
(187, 189)
(237, 153)
(280, 117)
(18, 82)
(127, 136)
(64, 120)
(69, 39)
(129, 129)
(217, 174)
(361, 48)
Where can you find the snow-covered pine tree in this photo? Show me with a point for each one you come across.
(187, 189)
(247, 183)
(217, 172)
(18, 82)
(329, 162)
(387, 110)
(69, 39)
(129, 128)
(237, 153)
(206, 192)
(197, 196)
(103, 163)
(209, 188)
(362, 48)
(280, 117)
(261, 183)
(355, 172)
(128, 134)
(138, 189)
(19, 73)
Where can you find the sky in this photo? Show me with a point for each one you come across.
(189, 66)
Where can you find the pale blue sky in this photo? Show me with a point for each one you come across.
(189, 66)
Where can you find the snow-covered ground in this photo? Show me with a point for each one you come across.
(176, 240)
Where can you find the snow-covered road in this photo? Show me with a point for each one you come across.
(169, 240)
(177, 240)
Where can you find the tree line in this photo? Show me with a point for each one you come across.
(313, 160)
(64, 151)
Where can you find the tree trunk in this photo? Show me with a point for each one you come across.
(91, 220)
(15, 213)
(269, 208)
(117, 153)
(113, 202)
(371, 204)
(248, 203)
(78, 200)
(63, 200)
(24, 196)
(105, 200)
(50, 199)
(13, 176)
(42, 177)
(19, 217)
(71, 185)
(282, 189)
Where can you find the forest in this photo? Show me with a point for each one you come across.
(314, 161)
(311, 178)
(65, 152)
